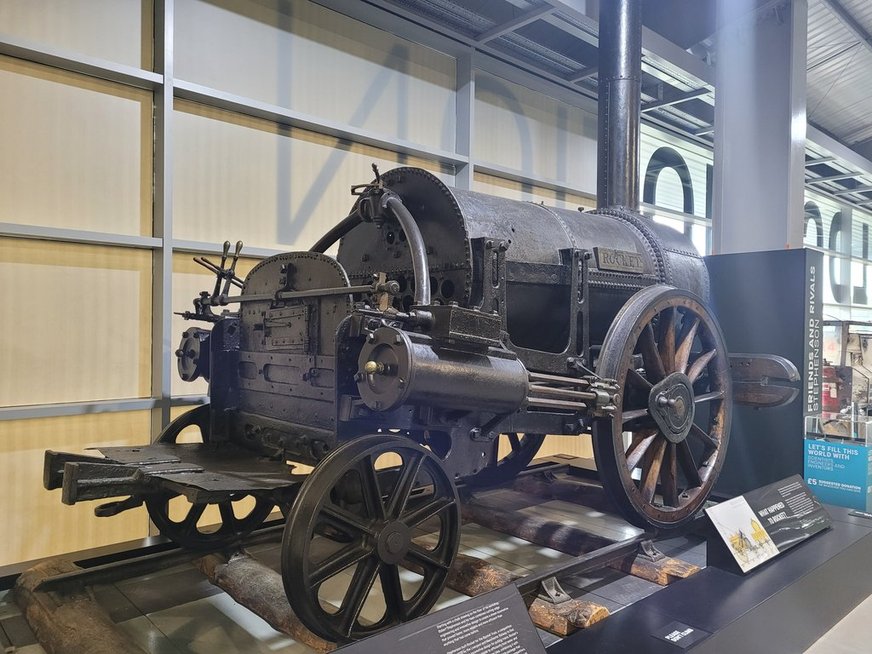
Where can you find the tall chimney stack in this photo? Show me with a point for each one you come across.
(620, 92)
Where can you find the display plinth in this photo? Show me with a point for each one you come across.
(767, 445)
(782, 606)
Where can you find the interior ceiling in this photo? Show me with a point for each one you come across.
(557, 39)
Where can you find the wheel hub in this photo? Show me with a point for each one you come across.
(393, 542)
(672, 407)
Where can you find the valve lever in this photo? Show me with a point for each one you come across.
(230, 273)
(220, 273)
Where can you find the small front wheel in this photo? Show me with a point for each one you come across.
(370, 538)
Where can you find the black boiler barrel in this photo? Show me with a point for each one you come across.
(535, 234)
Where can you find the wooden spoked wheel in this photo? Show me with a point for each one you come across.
(660, 455)
(370, 538)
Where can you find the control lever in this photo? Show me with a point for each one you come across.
(224, 278)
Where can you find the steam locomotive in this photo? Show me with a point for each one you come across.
(448, 318)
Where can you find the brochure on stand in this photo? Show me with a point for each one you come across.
(762, 523)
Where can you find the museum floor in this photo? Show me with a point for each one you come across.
(178, 611)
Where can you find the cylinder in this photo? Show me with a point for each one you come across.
(620, 92)
(394, 370)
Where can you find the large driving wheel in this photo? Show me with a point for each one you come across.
(350, 562)
(660, 455)
(200, 525)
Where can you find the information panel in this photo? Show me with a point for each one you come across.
(764, 522)
(493, 623)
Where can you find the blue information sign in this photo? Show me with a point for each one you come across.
(839, 473)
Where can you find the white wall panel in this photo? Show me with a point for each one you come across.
(303, 57)
(76, 152)
(117, 30)
(36, 524)
(77, 324)
(524, 130)
(512, 190)
(239, 178)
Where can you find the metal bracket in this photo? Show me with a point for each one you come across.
(649, 552)
(114, 508)
(552, 592)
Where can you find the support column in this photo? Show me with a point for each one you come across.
(760, 123)
(464, 117)
(162, 262)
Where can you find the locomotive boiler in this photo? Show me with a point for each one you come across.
(356, 393)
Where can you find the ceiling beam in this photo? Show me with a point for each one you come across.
(676, 99)
(847, 157)
(859, 189)
(657, 48)
(516, 23)
(583, 74)
(834, 178)
(821, 160)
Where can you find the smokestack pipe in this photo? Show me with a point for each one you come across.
(620, 92)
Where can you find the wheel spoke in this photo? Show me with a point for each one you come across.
(627, 416)
(355, 597)
(392, 591)
(651, 469)
(688, 465)
(333, 565)
(669, 476)
(405, 484)
(514, 441)
(650, 356)
(697, 431)
(667, 339)
(682, 355)
(426, 559)
(640, 444)
(189, 524)
(708, 397)
(636, 379)
(344, 520)
(372, 494)
(699, 365)
(423, 513)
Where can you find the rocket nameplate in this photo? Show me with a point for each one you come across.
(619, 260)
